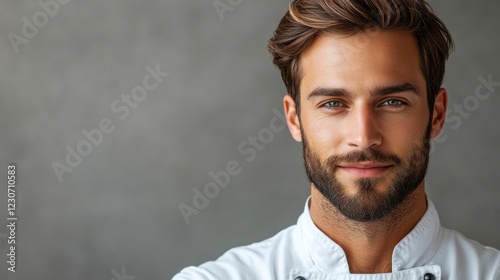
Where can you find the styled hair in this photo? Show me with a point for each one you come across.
(305, 20)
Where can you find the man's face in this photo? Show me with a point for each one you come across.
(364, 120)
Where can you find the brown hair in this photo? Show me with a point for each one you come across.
(306, 19)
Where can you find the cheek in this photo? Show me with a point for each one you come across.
(406, 131)
(406, 139)
(323, 135)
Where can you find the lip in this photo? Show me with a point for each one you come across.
(365, 169)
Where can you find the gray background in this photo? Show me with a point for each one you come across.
(119, 207)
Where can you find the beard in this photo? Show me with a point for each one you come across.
(368, 204)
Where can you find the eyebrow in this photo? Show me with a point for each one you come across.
(377, 92)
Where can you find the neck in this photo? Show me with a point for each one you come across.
(368, 245)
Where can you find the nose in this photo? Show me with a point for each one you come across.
(362, 128)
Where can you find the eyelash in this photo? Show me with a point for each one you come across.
(340, 104)
(401, 103)
(326, 104)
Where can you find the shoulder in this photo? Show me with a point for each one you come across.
(254, 261)
(470, 257)
(471, 249)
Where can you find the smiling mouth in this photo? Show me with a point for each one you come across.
(365, 169)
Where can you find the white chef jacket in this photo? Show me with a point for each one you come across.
(303, 252)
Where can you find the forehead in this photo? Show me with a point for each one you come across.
(361, 61)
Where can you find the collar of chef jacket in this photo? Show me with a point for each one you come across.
(410, 258)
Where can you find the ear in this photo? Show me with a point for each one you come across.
(438, 117)
(292, 119)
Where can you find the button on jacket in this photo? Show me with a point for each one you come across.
(303, 252)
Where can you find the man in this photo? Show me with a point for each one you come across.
(364, 97)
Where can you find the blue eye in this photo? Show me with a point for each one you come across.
(333, 104)
(393, 103)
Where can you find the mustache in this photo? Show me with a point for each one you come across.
(368, 155)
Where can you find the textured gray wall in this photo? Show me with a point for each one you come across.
(117, 212)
